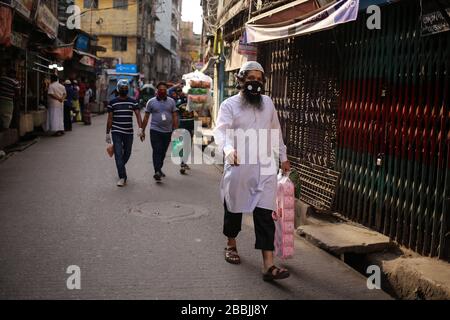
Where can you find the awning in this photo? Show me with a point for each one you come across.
(341, 11)
(233, 11)
(290, 13)
(64, 52)
(98, 48)
(82, 53)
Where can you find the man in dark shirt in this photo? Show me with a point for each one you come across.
(120, 124)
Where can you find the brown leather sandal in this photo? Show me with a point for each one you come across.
(279, 274)
(231, 255)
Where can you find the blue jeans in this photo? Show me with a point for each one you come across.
(122, 151)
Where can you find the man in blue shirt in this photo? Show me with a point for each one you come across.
(164, 121)
(120, 124)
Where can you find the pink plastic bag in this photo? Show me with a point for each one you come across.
(284, 218)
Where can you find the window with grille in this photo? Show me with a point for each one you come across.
(119, 43)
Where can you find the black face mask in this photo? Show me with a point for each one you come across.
(254, 87)
(253, 91)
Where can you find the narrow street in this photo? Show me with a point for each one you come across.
(61, 207)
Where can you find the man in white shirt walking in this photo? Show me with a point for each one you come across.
(56, 95)
(249, 181)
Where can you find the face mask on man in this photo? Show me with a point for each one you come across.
(254, 87)
(161, 93)
(253, 91)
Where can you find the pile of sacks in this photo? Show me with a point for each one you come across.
(198, 87)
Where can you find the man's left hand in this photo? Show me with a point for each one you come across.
(286, 166)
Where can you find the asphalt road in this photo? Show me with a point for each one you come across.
(59, 206)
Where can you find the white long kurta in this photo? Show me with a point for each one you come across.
(55, 115)
(251, 184)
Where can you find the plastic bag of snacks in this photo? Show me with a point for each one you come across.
(284, 218)
(198, 87)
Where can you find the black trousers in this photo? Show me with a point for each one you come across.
(67, 117)
(160, 143)
(264, 227)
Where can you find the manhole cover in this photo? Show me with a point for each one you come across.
(169, 211)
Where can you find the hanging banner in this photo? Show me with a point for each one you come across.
(435, 17)
(62, 53)
(341, 12)
(24, 7)
(19, 40)
(234, 59)
(245, 48)
(5, 25)
(47, 21)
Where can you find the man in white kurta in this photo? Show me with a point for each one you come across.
(56, 95)
(248, 132)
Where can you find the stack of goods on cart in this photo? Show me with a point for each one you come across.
(198, 87)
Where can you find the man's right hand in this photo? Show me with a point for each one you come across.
(232, 158)
(108, 138)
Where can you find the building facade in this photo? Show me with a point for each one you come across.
(168, 40)
(190, 47)
(115, 23)
(125, 28)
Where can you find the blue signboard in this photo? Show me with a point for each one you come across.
(126, 68)
(82, 43)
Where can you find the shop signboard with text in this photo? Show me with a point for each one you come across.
(24, 7)
(47, 21)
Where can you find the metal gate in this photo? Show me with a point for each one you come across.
(302, 81)
(393, 130)
(372, 105)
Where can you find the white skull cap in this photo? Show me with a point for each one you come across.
(251, 66)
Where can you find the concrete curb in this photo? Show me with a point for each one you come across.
(413, 278)
(405, 274)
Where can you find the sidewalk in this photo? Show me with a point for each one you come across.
(405, 274)
(61, 207)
